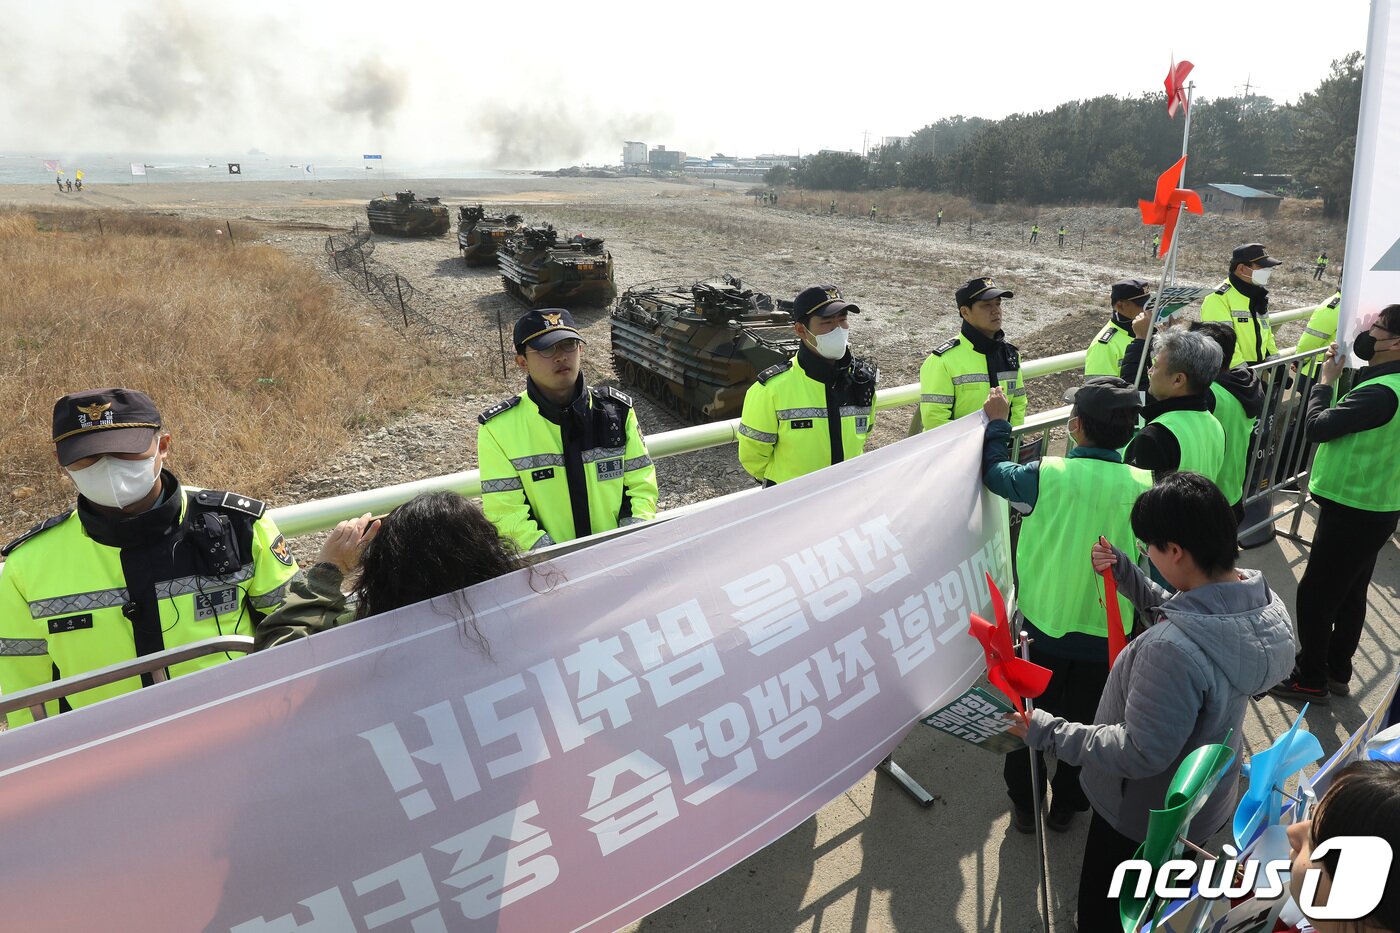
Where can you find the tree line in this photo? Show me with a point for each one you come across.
(1111, 149)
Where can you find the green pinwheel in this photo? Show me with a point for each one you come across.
(1189, 790)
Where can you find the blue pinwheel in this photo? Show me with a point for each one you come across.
(1262, 804)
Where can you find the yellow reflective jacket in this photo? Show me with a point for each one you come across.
(84, 590)
(957, 378)
(1254, 337)
(1105, 354)
(1320, 331)
(551, 474)
(806, 414)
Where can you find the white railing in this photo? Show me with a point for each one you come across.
(321, 514)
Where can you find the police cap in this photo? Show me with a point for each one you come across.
(1252, 253)
(1129, 290)
(543, 328)
(821, 300)
(103, 421)
(1105, 398)
(980, 289)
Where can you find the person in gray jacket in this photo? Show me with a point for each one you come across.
(1185, 682)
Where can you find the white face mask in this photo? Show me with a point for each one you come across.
(116, 483)
(831, 345)
(1261, 276)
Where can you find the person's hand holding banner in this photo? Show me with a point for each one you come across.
(1104, 559)
(997, 407)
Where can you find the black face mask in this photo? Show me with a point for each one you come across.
(1365, 346)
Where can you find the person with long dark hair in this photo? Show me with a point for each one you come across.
(433, 544)
(1363, 800)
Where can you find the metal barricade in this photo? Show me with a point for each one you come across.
(154, 664)
(1279, 454)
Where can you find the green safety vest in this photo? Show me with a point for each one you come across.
(1202, 442)
(1359, 469)
(1105, 354)
(525, 489)
(1238, 429)
(1080, 499)
(1320, 331)
(785, 430)
(954, 381)
(1254, 336)
(65, 606)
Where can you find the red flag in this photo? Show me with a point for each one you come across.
(1117, 638)
(1011, 675)
(1164, 208)
(1176, 86)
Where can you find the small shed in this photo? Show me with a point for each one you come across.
(1237, 199)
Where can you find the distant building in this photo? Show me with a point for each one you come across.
(634, 154)
(662, 159)
(1237, 199)
(889, 141)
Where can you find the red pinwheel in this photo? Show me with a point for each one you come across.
(1117, 639)
(1176, 86)
(1164, 208)
(1011, 675)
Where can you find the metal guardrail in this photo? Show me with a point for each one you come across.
(322, 514)
(154, 664)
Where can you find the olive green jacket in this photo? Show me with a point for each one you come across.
(314, 604)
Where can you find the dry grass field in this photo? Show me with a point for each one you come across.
(260, 370)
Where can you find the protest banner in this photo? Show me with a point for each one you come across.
(636, 717)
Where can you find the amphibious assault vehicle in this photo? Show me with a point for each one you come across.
(478, 235)
(697, 348)
(538, 268)
(406, 214)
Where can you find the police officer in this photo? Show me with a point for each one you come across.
(938, 218)
(817, 408)
(1063, 231)
(1242, 301)
(142, 563)
(1074, 500)
(1035, 233)
(958, 375)
(1156, 244)
(1321, 268)
(1180, 434)
(1239, 399)
(1356, 483)
(1104, 357)
(565, 459)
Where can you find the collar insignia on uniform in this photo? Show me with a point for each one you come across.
(552, 319)
(95, 410)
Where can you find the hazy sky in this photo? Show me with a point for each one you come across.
(521, 85)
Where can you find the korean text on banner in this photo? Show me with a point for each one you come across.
(1371, 276)
(138, 168)
(653, 709)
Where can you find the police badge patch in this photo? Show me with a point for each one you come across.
(219, 602)
(610, 469)
(281, 550)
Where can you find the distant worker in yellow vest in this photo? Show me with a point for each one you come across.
(1180, 434)
(938, 220)
(1074, 500)
(142, 564)
(1126, 298)
(565, 459)
(1242, 301)
(958, 375)
(1035, 233)
(1239, 400)
(1156, 245)
(817, 408)
(872, 212)
(1321, 268)
(1355, 479)
(1063, 231)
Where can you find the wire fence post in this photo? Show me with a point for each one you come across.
(100, 231)
(501, 335)
(402, 309)
(364, 263)
(229, 224)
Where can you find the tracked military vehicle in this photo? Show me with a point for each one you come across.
(697, 348)
(479, 235)
(406, 214)
(539, 268)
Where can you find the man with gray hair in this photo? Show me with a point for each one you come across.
(1181, 433)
